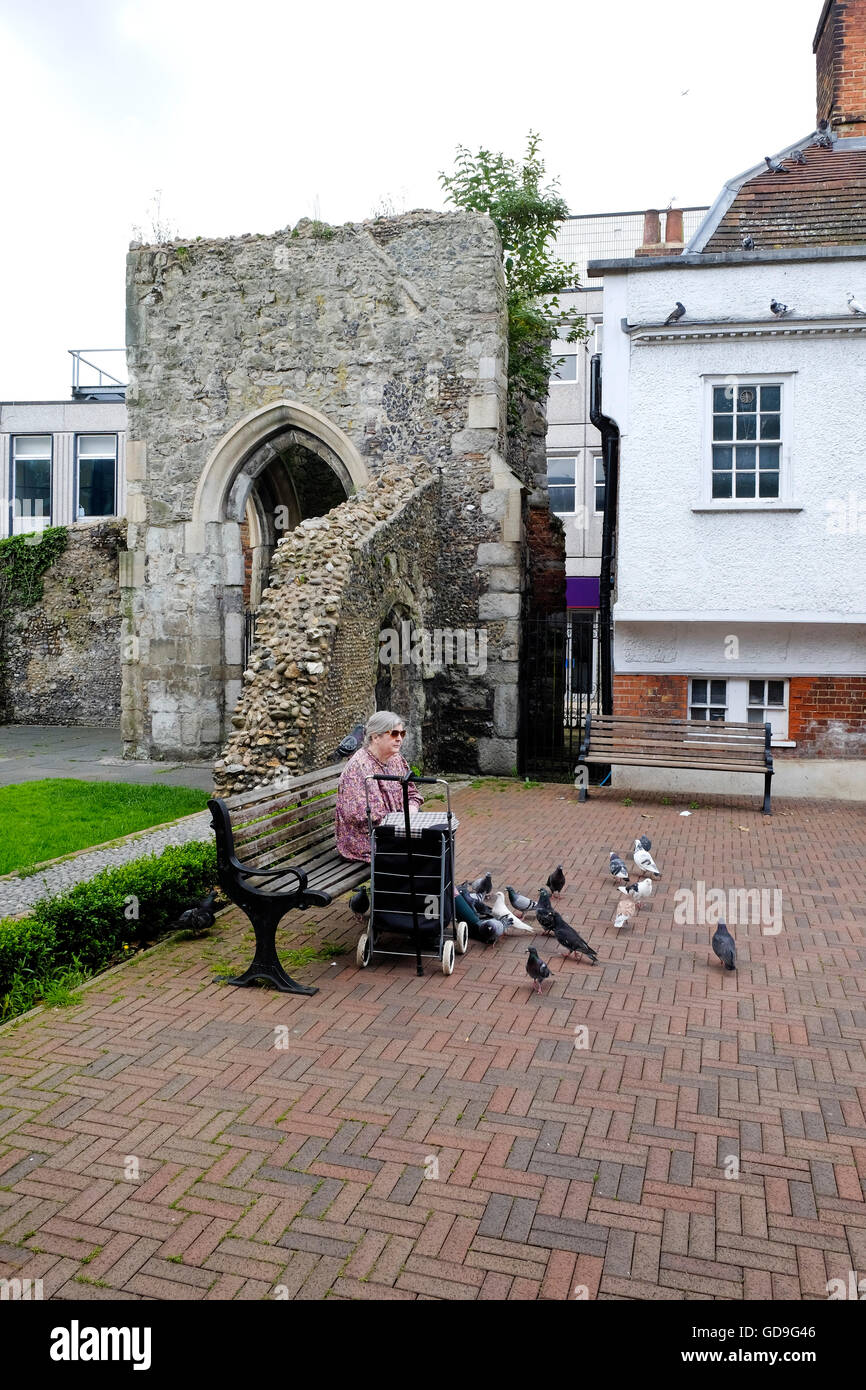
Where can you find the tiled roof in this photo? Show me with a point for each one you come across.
(819, 203)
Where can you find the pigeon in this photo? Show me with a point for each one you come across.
(536, 968)
(824, 138)
(572, 940)
(618, 867)
(351, 743)
(519, 901)
(500, 911)
(475, 900)
(773, 166)
(644, 860)
(778, 309)
(798, 157)
(748, 243)
(625, 911)
(675, 314)
(200, 915)
(645, 842)
(544, 912)
(854, 305)
(484, 884)
(642, 889)
(360, 901)
(724, 946)
(556, 880)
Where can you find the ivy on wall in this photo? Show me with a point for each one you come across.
(24, 563)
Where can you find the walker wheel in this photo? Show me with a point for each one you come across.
(448, 958)
(363, 951)
(462, 938)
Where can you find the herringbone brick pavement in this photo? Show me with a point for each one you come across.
(709, 1142)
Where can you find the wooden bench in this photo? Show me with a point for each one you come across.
(277, 851)
(712, 745)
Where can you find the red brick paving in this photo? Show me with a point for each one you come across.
(300, 1173)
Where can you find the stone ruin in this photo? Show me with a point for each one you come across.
(317, 431)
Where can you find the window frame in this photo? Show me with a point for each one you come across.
(784, 380)
(565, 350)
(737, 702)
(564, 458)
(76, 495)
(13, 460)
(598, 459)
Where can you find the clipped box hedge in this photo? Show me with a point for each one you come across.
(86, 928)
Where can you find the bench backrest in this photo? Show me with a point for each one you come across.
(276, 824)
(636, 734)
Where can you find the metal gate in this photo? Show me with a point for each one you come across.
(559, 684)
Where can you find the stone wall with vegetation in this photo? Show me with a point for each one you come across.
(61, 653)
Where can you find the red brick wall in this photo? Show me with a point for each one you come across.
(827, 716)
(664, 697)
(546, 544)
(248, 562)
(840, 55)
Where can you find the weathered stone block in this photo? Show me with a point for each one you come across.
(498, 605)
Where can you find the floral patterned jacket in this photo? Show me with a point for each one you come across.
(353, 834)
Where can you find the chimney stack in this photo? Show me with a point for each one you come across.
(652, 243)
(840, 57)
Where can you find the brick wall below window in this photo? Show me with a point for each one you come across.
(827, 716)
(664, 697)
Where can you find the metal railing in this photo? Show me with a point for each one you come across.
(106, 385)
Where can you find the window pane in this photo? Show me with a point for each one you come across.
(769, 456)
(717, 714)
(722, 458)
(99, 446)
(567, 369)
(746, 398)
(599, 499)
(718, 692)
(599, 471)
(746, 484)
(775, 692)
(560, 471)
(722, 485)
(96, 487)
(756, 692)
(562, 499)
(723, 427)
(771, 397)
(769, 485)
(723, 398)
(770, 426)
(699, 692)
(698, 712)
(755, 716)
(34, 446)
(746, 426)
(745, 459)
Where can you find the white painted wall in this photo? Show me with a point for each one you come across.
(63, 420)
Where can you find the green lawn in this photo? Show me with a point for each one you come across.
(42, 820)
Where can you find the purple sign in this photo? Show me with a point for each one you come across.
(581, 591)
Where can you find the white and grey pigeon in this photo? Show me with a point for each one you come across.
(774, 166)
(748, 243)
(725, 947)
(496, 903)
(519, 901)
(854, 305)
(644, 860)
(618, 867)
(641, 889)
(778, 308)
(675, 314)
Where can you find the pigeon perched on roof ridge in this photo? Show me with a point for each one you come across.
(724, 946)
(675, 314)
(773, 166)
(748, 243)
(536, 968)
(798, 157)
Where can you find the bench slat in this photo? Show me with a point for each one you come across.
(661, 747)
(632, 760)
(600, 720)
(275, 805)
(306, 782)
(285, 828)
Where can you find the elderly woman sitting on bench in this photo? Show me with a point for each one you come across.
(379, 755)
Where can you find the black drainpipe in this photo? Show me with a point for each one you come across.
(610, 459)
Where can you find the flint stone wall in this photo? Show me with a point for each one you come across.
(395, 332)
(62, 656)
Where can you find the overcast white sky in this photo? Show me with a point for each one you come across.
(250, 114)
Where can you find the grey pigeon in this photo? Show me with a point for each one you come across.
(360, 901)
(675, 314)
(798, 157)
(572, 940)
(536, 968)
(725, 947)
(556, 880)
(748, 243)
(779, 309)
(645, 843)
(351, 743)
(854, 305)
(824, 138)
(519, 901)
(618, 867)
(773, 166)
(483, 884)
(200, 915)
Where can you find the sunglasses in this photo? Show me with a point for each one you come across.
(398, 733)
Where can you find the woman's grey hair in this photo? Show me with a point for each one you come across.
(382, 722)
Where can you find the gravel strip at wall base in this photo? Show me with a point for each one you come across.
(18, 894)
